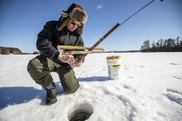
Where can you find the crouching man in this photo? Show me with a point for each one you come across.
(66, 31)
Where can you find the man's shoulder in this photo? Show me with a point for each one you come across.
(52, 23)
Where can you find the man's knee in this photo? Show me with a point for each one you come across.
(73, 88)
(72, 84)
(34, 66)
(68, 80)
(38, 73)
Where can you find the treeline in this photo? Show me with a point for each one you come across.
(9, 50)
(163, 45)
(14, 51)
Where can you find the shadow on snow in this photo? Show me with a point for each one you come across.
(94, 78)
(18, 95)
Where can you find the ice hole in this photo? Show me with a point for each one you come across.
(80, 112)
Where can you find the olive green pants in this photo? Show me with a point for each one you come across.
(40, 68)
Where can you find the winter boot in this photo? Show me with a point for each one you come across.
(51, 96)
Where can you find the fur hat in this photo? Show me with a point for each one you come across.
(74, 12)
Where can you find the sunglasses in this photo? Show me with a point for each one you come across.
(78, 25)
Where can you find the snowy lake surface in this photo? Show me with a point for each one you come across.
(150, 89)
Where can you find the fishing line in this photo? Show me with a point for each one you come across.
(137, 12)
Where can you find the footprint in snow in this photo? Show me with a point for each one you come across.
(174, 64)
(174, 95)
(126, 86)
(178, 77)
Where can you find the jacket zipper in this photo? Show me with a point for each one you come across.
(67, 34)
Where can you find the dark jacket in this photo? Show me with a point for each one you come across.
(50, 37)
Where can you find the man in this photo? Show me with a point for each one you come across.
(66, 31)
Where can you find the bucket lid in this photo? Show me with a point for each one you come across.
(113, 57)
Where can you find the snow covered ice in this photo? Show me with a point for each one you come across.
(150, 90)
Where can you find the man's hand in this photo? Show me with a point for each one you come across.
(78, 63)
(66, 58)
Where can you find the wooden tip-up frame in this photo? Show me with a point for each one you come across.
(72, 50)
